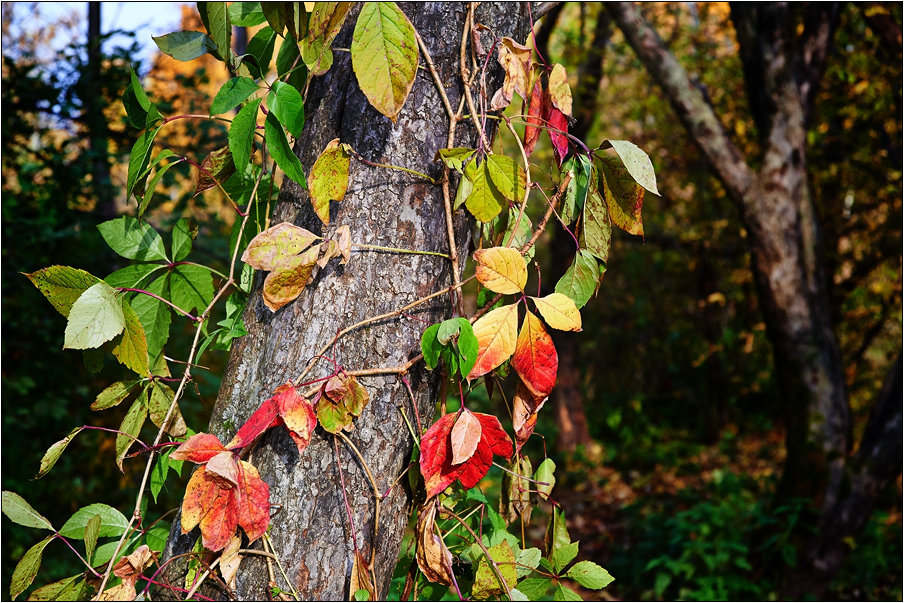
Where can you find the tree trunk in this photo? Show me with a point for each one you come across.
(94, 119)
(782, 70)
(310, 528)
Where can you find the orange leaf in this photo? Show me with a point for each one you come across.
(536, 360)
(465, 436)
(219, 523)
(297, 414)
(253, 501)
(559, 311)
(289, 278)
(199, 448)
(496, 334)
(525, 408)
(201, 488)
(501, 269)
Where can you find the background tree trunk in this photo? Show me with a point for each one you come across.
(782, 69)
(310, 529)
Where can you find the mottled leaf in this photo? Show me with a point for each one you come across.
(129, 429)
(329, 178)
(19, 511)
(637, 163)
(269, 248)
(623, 196)
(486, 582)
(27, 568)
(501, 269)
(559, 90)
(54, 452)
(289, 278)
(62, 285)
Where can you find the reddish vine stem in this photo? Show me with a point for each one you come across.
(449, 513)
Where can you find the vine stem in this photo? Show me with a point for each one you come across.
(466, 74)
(397, 250)
(272, 555)
(186, 376)
(527, 186)
(389, 166)
(376, 490)
(449, 513)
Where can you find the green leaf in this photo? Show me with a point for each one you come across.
(623, 196)
(185, 45)
(362, 595)
(484, 201)
(154, 315)
(183, 235)
(578, 187)
(332, 416)
(384, 56)
(536, 589)
(130, 428)
(455, 158)
(191, 287)
(564, 555)
(216, 18)
(430, 347)
(133, 239)
(114, 394)
(104, 552)
(95, 317)
(467, 347)
(563, 593)
(527, 561)
(139, 158)
(112, 522)
(140, 111)
(329, 178)
(486, 582)
(232, 94)
(589, 575)
(158, 474)
(637, 163)
(556, 533)
(507, 176)
(465, 186)
(596, 229)
(216, 168)
(282, 153)
(447, 330)
(72, 588)
(545, 474)
(580, 280)
(324, 24)
(132, 348)
(156, 537)
(145, 198)
(27, 568)
(275, 13)
(62, 285)
(286, 103)
(525, 230)
(246, 14)
(241, 135)
(54, 452)
(290, 67)
(20, 512)
(92, 529)
(260, 48)
(133, 276)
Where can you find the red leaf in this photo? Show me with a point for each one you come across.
(224, 469)
(220, 521)
(201, 488)
(535, 359)
(253, 500)
(534, 117)
(558, 126)
(260, 421)
(436, 453)
(524, 414)
(199, 448)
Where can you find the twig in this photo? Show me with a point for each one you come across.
(443, 510)
(466, 74)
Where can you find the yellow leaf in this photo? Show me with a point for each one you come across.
(559, 311)
(559, 90)
(501, 269)
(496, 333)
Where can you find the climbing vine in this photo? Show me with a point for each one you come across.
(129, 313)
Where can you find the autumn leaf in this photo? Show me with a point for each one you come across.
(342, 399)
(289, 278)
(297, 413)
(433, 558)
(535, 359)
(328, 180)
(623, 195)
(269, 248)
(219, 523)
(558, 130)
(535, 117)
(437, 455)
(252, 495)
(501, 269)
(559, 311)
(223, 468)
(201, 488)
(496, 333)
(559, 90)
(199, 448)
(465, 436)
(525, 407)
(515, 59)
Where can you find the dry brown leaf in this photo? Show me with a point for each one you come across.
(432, 555)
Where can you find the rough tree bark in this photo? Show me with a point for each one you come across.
(310, 528)
(782, 71)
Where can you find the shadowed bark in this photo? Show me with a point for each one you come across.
(310, 529)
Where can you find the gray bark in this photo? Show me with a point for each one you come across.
(310, 529)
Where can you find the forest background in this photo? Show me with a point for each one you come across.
(666, 419)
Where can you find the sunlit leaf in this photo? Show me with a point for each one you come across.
(484, 200)
(62, 285)
(637, 163)
(241, 135)
(496, 333)
(535, 359)
(329, 178)
(486, 582)
(501, 269)
(580, 280)
(465, 436)
(113, 523)
(286, 104)
(133, 239)
(95, 317)
(129, 429)
(589, 575)
(19, 511)
(559, 90)
(232, 94)
(185, 45)
(623, 196)
(54, 452)
(132, 347)
(253, 500)
(384, 56)
(507, 176)
(559, 311)
(27, 568)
